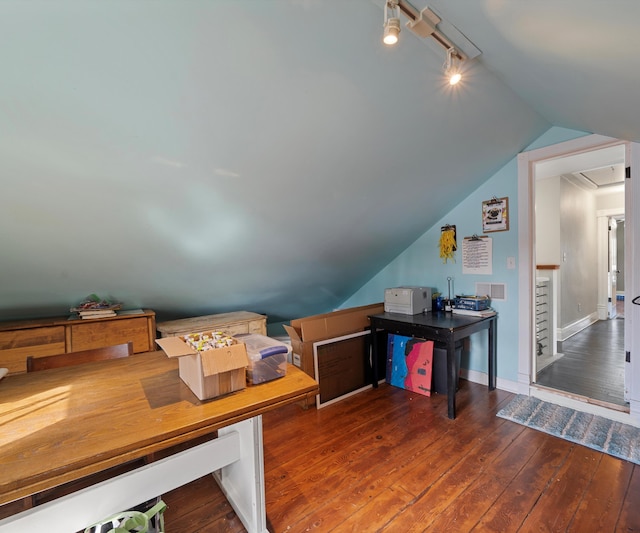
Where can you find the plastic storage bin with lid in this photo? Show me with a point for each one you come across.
(267, 357)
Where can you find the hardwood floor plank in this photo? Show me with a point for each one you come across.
(445, 486)
(629, 519)
(188, 511)
(377, 511)
(414, 450)
(513, 505)
(468, 508)
(560, 499)
(592, 364)
(378, 478)
(600, 508)
(322, 472)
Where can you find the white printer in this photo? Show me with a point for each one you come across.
(407, 300)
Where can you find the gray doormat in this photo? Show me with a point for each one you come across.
(596, 432)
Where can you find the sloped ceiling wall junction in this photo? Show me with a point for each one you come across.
(207, 156)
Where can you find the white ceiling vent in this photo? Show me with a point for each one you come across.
(495, 291)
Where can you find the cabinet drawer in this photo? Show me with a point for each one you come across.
(16, 345)
(255, 326)
(97, 334)
(258, 327)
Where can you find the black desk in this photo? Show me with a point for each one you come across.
(447, 328)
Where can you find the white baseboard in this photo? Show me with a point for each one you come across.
(543, 361)
(481, 377)
(577, 326)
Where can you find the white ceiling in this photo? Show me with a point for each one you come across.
(603, 177)
(611, 156)
(202, 156)
(575, 62)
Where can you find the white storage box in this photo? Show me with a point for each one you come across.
(267, 357)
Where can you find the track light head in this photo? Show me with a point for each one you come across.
(391, 22)
(451, 67)
(391, 31)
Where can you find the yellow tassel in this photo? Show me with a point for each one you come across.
(447, 245)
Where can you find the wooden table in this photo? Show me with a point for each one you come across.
(447, 328)
(61, 425)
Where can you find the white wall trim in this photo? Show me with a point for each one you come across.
(576, 327)
(481, 377)
(610, 212)
(526, 243)
(632, 284)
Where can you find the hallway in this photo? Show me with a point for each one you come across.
(592, 365)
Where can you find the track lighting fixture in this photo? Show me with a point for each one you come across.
(426, 23)
(391, 22)
(451, 67)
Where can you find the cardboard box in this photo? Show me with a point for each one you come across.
(209, 373)
(303, 332)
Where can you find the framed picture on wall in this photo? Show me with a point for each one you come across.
(495, 214)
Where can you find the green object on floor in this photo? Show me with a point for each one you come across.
(135, 520)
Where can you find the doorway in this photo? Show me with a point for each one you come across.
(579, 199)
(528, 165)
(591, 366)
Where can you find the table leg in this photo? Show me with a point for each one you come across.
(451, 377)
(374, 356)
(493, 335)
(242, 482)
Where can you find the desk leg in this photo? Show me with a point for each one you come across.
(451, 376)
(242, 482)
(374, 356)
(493, 335)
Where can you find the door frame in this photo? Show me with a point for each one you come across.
(527, 272)
(612, 266)
(606, 307)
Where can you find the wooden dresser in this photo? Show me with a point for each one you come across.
(231, 323)
(50, 336)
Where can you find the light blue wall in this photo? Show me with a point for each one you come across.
(420, 264)
(141, 162)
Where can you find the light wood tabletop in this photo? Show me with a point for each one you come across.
(61, 425)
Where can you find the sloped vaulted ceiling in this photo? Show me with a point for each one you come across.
(576, 62)
(207, 156)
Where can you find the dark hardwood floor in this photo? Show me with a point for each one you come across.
(592, 365)
(390, 460)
